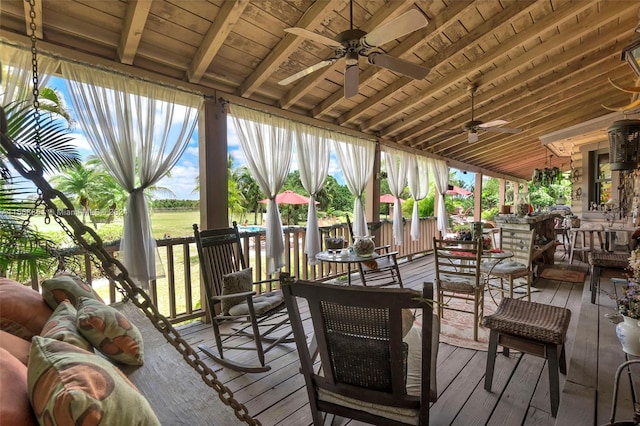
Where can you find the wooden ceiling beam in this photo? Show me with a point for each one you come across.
(473, 69)
(134, 22)
(312, 18)
(529, 88)
(476, 35)
(215, 37)
(37, 17)
(515, 65)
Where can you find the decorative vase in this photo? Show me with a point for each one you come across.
(522, 204)
(628, 332)
(364, 246)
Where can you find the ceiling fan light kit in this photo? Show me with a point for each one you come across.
(353, 43)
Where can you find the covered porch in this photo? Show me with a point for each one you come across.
(520, 389)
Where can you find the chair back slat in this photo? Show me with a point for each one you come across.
(519, 242)
(220, 253)
(458, 257)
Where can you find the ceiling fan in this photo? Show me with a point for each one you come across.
(353, 43)
(471, 128)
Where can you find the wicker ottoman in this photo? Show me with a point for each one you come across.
(599, 260)
(532, 328)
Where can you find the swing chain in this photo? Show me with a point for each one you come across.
(34, 66)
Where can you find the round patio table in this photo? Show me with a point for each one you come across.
(338, 258)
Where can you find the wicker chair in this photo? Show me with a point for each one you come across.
(381, 271)
(458, 276)
(233, 297)
(368, 371)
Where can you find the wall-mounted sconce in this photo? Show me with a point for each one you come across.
(624, 144)
(631, 54)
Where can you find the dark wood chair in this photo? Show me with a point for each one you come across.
(381, 271)
(255, 309)
(458, 276)
(368, 371)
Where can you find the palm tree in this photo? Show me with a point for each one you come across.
(80, 183)
(48, 139)
(252, 194)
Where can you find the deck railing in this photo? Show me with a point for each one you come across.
(178, 293)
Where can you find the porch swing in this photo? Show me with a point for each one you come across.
(180, 389)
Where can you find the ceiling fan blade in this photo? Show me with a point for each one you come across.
(301, 32)
(399, 65)
(493, 123)
(306, 71)
(502, 129)
(351, 80)
(404, 24)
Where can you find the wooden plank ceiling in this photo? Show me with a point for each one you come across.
(540, 65)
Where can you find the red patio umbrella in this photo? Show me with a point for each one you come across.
(456, 190)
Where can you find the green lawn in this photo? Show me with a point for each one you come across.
(169, 224)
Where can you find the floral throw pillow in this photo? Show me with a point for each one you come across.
(65, 286)
(62, 326)
(236, 282)
(110, 332)
(70, 386)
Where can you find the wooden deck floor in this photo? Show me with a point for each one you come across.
(520, 388)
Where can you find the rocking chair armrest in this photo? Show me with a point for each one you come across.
(270, 280)
(385, 248)
(227, 296)
(388, 254)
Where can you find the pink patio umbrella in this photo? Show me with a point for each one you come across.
(456, 190)
(387, 198)
(289, 197)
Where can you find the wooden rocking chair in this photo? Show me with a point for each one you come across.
(239, 307)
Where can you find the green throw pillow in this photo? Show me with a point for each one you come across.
(70, 386)
(236, 282)
(110, 332)
(65, 286)
(62, 326)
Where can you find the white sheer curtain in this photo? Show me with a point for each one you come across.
(139, 130)
(17, 73)
(312, 147)
(441, 179)
(356, 158)
(396, 166)
(418, 179)
(267, 145)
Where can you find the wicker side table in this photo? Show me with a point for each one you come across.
(532, 328)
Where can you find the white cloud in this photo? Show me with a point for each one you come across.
(182, 181)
